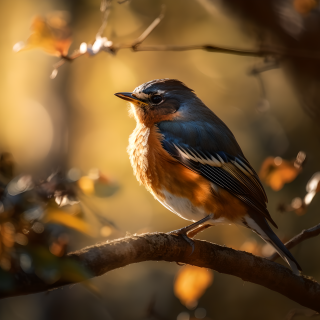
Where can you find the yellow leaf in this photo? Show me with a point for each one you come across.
(68, 220)
(86, 184)
(50, 33)
(191, 283)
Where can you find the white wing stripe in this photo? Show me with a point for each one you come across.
(195, 156)
(222, 161)
(239, 167)
(243, 164)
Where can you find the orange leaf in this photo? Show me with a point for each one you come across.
(50, 33)
(275, 172)
(191, 283)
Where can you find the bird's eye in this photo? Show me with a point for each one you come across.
(156, 99)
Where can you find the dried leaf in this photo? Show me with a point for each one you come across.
(191, 283)
(50, 33)
(275, 172)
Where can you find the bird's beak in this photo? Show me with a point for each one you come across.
(126, 96)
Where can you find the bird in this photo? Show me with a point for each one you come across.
(190, 161)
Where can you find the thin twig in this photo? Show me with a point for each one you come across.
(266, 65)
(146, 33)
(76, 54)
(105, 8)
(205, 47)
(303, 235)
(109, 47)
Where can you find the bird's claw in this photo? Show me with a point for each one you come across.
(183, 234)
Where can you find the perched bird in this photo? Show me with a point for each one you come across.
(191, 163)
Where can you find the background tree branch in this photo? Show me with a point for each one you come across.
(104, 257)
(103, 44)
(303, 235)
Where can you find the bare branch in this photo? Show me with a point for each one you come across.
(303, 235)
(146, 32)
(103, 44)
(105, 8)
(104, 257)
(57, 65)
(206, 47)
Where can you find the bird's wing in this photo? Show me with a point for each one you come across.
(229, 170)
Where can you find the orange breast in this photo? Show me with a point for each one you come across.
(158, 171)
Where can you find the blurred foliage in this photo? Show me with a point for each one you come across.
(80, 108)
(275, 172)
(191, 283)
(35, 217)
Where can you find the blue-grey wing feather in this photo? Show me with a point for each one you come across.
(185, 140)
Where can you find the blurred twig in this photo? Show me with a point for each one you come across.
(301, 312)
(303, 235)
(145, 34)
(103, 44)
(104, 257)
(105, 8)
(256, 71)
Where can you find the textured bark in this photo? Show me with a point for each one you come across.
(107, 256)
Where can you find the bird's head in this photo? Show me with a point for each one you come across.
(161, 99)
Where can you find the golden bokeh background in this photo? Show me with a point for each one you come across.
(76, 119)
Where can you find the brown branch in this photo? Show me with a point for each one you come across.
(303, 235)
(102, 258)
(110, 47)
(146, 32)
(206, 47)
(105, 8)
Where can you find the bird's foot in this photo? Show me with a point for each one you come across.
(183, 232)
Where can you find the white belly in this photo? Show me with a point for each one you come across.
(186, 210)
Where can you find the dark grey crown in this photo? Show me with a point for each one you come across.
(161, 84)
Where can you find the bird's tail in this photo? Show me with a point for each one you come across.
(259, 225)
